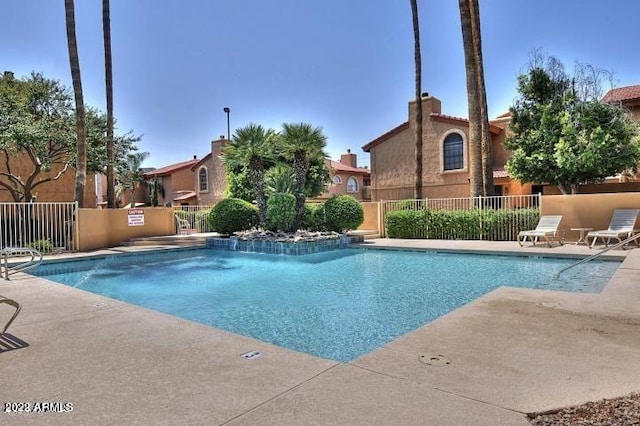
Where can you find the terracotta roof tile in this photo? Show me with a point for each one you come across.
(500, 172)
(167, 170)
(622, 94)
(336, 165)
(450, 118)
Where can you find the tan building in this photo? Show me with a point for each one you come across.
(177, 181)
(210, 179)
(347, 178)
(445, 157)
(628, 97)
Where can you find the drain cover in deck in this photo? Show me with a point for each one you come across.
(435, 360)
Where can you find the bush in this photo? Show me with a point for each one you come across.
(43, 246)
(233, 214)
(281, 211)
(475, 224)
(343, 212)
(313, 218)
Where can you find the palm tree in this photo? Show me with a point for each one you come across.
(108, 67)
(300, 143)
(251, 148)
(417, 136)
(480, 168)
(130, 175)
(81, 132)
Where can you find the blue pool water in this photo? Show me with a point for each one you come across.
(336, 305)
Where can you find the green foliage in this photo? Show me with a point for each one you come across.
(280, 179)
(313, 218)
(475, 224)
(281, 211)
(37, 121)
(563, 139)
(44, 246)
(343, 212)
(233, 214)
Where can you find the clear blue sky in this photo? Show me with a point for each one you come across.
(344, 65)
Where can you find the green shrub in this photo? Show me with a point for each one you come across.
(43, 246)
(233, 214)
(343, 212)
(474, 224)
(313, 218)
(281, 211)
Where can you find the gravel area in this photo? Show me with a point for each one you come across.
(623, 411)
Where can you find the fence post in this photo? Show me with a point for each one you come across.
(76, 228)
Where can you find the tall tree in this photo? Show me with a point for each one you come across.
(301, 143)
(251, 149)
(417, 135)
(108, 75)
(481, 93)
(38, 135)
(480, 162)
(81, 133)
(560, 139)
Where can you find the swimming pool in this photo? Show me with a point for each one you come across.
(337, 305)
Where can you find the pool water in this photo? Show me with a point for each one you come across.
(337, 305)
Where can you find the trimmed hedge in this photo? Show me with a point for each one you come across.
(343, 212)
(476, 224)
(233, 214)
(281, 211)
(313, 218)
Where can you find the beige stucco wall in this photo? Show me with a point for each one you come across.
(587, 210)
(216, 174)
(341, 188)
(108, 228)
(371, 217)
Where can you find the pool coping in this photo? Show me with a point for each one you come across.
(386, 386)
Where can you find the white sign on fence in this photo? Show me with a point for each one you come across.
(135, 217)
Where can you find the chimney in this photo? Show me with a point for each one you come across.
(349, 159)
(8, 75)
(195, 157)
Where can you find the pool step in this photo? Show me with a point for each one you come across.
(192, 240)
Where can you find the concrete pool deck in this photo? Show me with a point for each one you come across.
(512, 351)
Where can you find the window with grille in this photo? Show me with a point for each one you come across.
(453, 152)
(203, 179)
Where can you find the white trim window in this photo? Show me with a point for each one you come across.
(454, 152)
(352, 184)
(337, 180)
(203, 179)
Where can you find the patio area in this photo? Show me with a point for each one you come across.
(512, 351)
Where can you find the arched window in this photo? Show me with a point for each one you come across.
(203, 179)
(453, 152)
(352, 184)
(337, 180)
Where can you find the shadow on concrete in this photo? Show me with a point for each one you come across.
(9, 342)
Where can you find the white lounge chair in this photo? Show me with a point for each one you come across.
(184, 227)
(547, 228)
(621, 226)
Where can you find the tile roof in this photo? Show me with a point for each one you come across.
(500, 172)
(185, 196)
(167, 170)
(336, 165)
(496, 130)
(385, 136)
(622, 94)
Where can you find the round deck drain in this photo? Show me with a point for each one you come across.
(435, 360)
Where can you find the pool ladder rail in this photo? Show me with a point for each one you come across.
(600, 253)
(32, 258)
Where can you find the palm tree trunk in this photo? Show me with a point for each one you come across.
(485, 144)
(417, 135)
(475, 127)
(300, 168)
(74, 62)
(108, 73)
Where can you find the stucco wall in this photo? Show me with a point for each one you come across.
(587, 210)
(216, 174)
(108, 228)
(371, 217)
